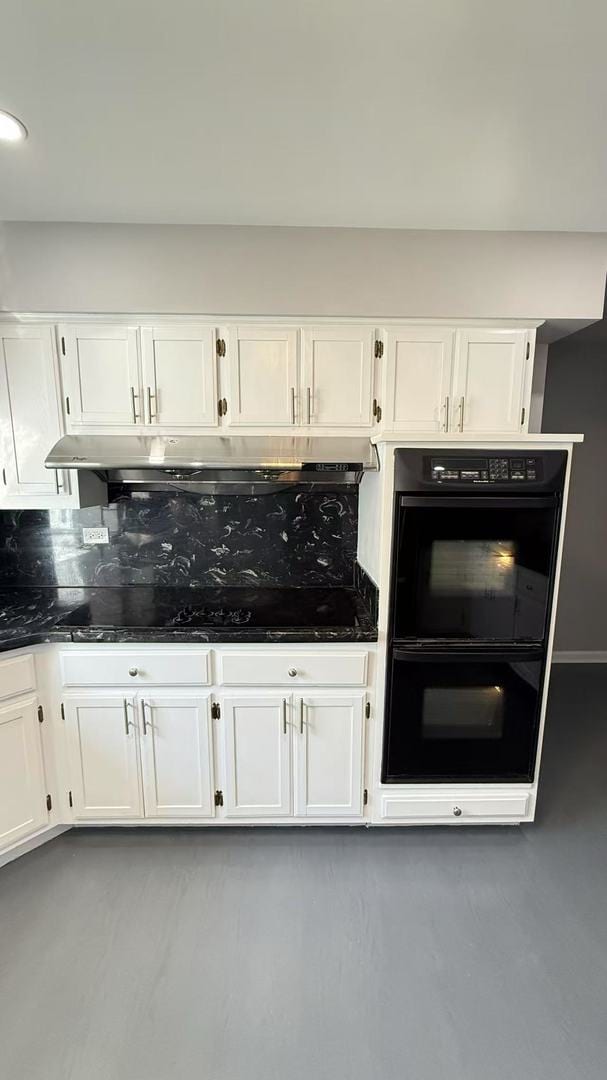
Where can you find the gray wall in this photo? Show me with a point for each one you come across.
(576, 400)
(58, 267)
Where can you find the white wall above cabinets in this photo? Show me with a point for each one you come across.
(31, 422)
(458, 380)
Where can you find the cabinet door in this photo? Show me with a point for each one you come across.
(328, 748)
(104, 759)
(177, 755)
(338, 376)
(257, 744)
(418, 378)
(22, 792)
(264, 376)
(488, 381)
(101, 375)
(29, 412)
(179, 376)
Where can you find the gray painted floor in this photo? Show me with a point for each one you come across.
(459, 954)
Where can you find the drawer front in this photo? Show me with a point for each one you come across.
(134, 669)
(17, 676)
(446, 807)
(292, 669)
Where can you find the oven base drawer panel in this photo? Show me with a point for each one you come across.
(321, 668)
(432, 807)
(105, 667)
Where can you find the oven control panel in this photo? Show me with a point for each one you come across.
(485, 470)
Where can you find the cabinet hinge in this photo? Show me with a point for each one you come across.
(378, 414)
(67, 405)
(368, 709)
(528, 353)
(70, 799)
(215, 711)
(219, 798)
(62, 711)
(40, 714)
(63, 346)
(379, 349)
(49, 803)
(365, 797)
(220, 407)
(221, 347)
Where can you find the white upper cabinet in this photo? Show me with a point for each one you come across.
(419, 363)
(179, 370)
(257, 744)
(100, 367)
(337, 385)
(263, 370)
(328, 747)
(29, 413)
(22, 793)
(177, 755)
(489, 381)
(104, 757)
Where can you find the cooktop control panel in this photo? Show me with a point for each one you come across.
(485, 470)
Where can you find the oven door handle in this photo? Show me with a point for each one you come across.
(500, 652)
(480, 502)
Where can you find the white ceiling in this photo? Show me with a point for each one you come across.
(399, 113)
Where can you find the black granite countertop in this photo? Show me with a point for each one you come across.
(131, 613)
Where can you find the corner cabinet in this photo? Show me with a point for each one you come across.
(458, 380)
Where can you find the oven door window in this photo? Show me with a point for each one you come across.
(465, 719)
(473, 573)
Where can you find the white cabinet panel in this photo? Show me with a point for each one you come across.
(104, 759)
(17, 676)
(455, 806)
(337, 376)
(179, 376)
(177, 755)
(489, 381)
(112, 667)
(101, 375)
(328, 747)
(321, 668)
(419, 364)
(22, 794)
(257, 741)
(263, 373)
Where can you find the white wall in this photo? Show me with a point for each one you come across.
(300, 271)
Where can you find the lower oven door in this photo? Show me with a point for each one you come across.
(462, 715)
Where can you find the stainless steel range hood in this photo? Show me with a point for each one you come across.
(210, 463)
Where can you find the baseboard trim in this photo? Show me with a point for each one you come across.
(23, 846)
(579, 657)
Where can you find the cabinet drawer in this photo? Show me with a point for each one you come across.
(17, 676)
(111, 668)
(444, 807)
(292, 669)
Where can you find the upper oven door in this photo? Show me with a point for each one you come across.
(473, 568)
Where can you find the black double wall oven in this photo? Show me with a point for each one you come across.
(473, 564)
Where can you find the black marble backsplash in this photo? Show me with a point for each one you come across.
(297, 537)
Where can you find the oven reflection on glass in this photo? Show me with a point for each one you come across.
(463, 712)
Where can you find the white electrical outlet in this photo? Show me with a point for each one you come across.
(96, 536)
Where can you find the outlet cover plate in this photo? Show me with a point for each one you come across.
(96, 536)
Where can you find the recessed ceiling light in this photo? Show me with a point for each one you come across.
(11, 129)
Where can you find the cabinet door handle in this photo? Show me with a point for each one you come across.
(284, 716)
(134, 397)
(301, 716)
(4, 477)
(152, 415)
(126, 715)
(145, 725)
(292, 404)
(446, 424)
(461, 413)
(309, 402)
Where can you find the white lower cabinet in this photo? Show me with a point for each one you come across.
(328, 757)
(257, 755)
(103, 753)
(23, 807)
(176, 755)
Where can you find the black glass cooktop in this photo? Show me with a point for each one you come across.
(142, 606)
